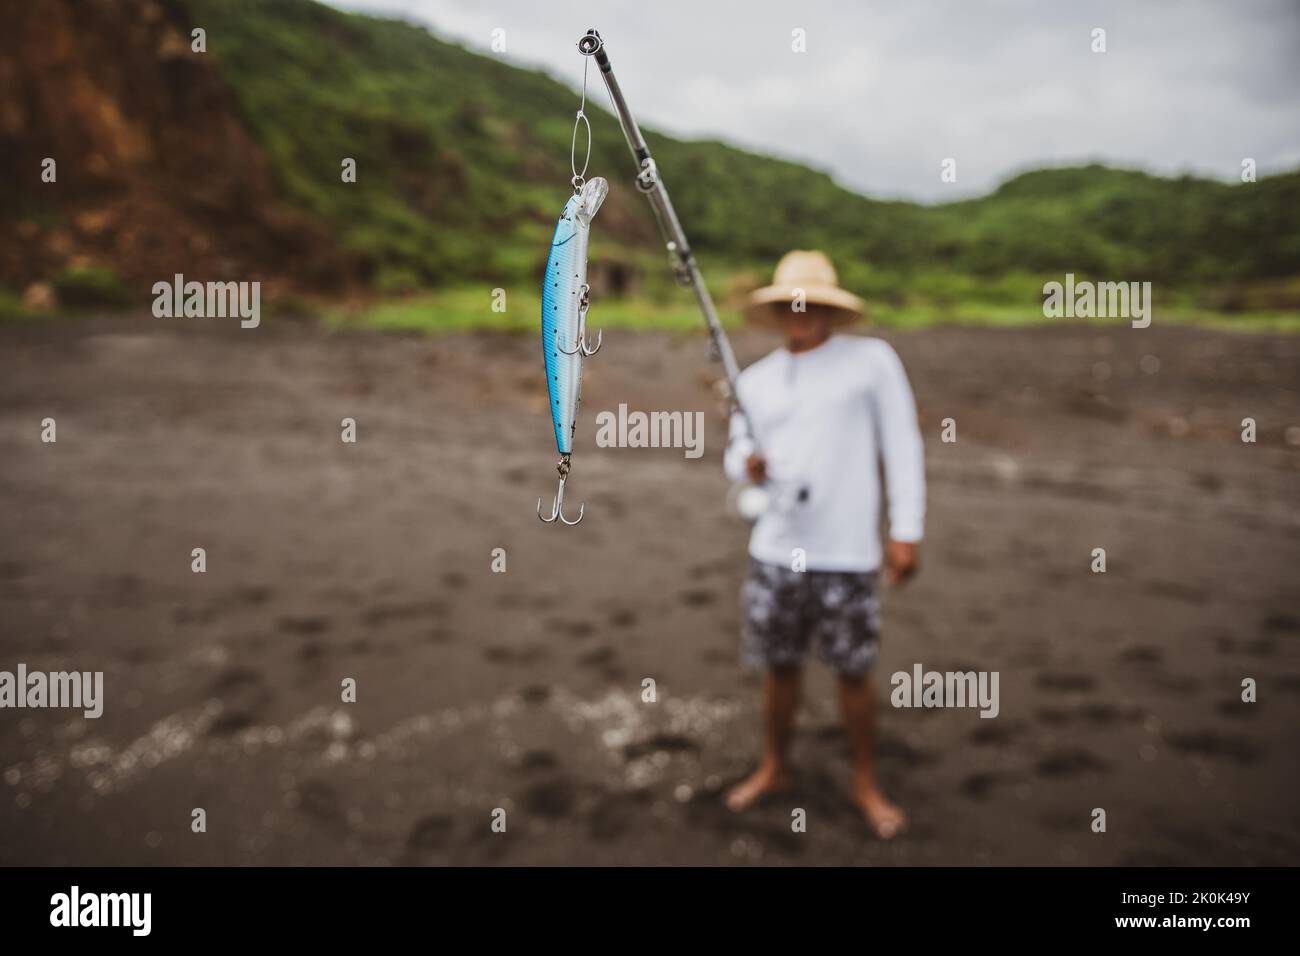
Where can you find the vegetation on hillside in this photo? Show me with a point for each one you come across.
(463, 163)
(463, 160)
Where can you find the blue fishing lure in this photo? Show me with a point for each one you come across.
(564, 323)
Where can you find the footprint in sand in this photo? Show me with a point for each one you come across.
(577, 628)
(1101, 714)
(429, 833)
(995, 734)
(698, 597)
(1209, 744)
(302, 625)
(231, 720)
(253, 594)
(1281, 621)
(605, 659)
(600, 657)
(1177, 591)
(1208, 481)
(1261, 647)
(978, 786)
(1177, 683)
(529, 654)
(242, 693)
(622, 617)
(660, 743)
(311, 651)
(534, 760)
(233, 678)
(893, 749)
(384, 613)
(1069, 762)
(552, 800)
(1066, 682)
(535, 694)
(321, 802)
(1237, 709)
(1288, 682)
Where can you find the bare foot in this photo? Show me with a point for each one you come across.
(886, 819)
(765, 780)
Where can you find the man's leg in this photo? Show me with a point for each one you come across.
(780, 701)
(857, 702)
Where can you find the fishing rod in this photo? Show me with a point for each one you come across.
(651, 185)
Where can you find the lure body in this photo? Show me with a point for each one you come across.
(564, 306)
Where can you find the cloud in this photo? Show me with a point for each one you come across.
(887, 91)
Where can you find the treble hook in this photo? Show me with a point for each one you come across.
(582, 344)
(557, 512)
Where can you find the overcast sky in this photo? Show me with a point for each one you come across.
(887, 90)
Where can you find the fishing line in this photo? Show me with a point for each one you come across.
(580, 177)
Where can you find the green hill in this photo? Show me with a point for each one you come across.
(463, 162)
(228, 163)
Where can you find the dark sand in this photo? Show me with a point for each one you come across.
(522, 690)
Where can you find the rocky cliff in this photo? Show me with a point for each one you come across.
(155, 170)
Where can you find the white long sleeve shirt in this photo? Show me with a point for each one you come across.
(825, 419)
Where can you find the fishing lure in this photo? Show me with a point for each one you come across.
(565, 299)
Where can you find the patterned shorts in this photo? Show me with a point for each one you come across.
(785, 611)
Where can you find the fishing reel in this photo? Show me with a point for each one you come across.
(749, 501)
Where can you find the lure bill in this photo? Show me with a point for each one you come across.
(565, 299)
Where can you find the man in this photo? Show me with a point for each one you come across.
(826, 410)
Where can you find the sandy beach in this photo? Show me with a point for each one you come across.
(523, 690)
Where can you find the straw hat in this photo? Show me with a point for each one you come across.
(811, 274)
